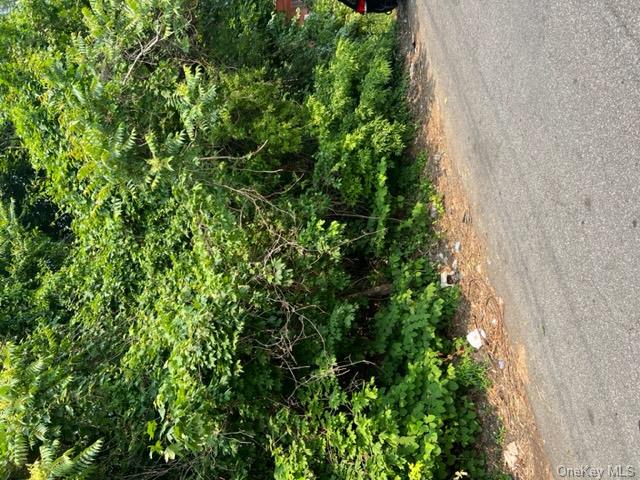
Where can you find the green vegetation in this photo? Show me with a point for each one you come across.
(211, 248)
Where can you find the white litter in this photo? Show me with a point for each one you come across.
(511, 455)
(476, 337)
(444, 279)
(501, 364)
(456, 246)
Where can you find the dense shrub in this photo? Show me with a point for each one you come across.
(228, 281)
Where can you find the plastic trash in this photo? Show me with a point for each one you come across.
(511, 455)
(444, 279)
(476, 338)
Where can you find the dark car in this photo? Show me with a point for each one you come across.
(371, 6)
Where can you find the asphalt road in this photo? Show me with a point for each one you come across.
(541, 107)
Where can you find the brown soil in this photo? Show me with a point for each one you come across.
(510, 438)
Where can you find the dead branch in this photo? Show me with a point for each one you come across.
(143, 51)
(243, 157)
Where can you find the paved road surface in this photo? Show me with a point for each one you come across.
(542, 115)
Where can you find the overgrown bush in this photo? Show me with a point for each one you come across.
(228, 281)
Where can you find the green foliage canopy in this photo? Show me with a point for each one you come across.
(197, 198)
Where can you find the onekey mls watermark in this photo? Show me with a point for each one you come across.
(592, 471)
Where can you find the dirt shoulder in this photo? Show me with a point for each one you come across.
(510, 437)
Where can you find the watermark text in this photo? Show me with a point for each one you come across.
(592, 471)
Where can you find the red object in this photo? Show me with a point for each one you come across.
(289, 7)
(361, 7)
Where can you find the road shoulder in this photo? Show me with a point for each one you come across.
(510, 437)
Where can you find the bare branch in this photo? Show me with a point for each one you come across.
(243, 157)
(143, 51)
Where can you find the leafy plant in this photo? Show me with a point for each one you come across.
(227, 281)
